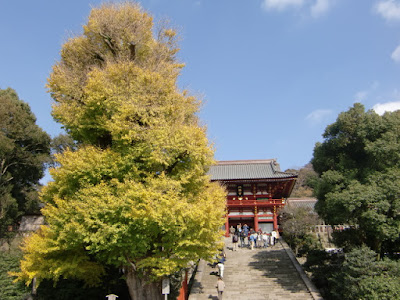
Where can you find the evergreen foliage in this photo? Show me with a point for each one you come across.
(359, 168)
(355, 275)
(9, 262)
(24, 152)
(359, 185)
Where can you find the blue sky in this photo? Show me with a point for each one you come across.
(272, 73)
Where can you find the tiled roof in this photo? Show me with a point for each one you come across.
(306, 203)
(247, 169)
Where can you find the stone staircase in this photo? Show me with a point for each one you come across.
(254, 275)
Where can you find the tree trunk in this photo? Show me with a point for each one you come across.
(140, 289)
(378, 248)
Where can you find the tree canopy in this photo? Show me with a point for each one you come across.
(359, 167)
(354, 275)
(361, 276)
(134, 194)
(24, 151)
(295, 224)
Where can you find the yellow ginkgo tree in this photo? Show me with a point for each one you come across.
(135, 194)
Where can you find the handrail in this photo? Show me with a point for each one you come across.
(264, 202)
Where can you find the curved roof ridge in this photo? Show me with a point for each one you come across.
(248, 169)
(248, 161)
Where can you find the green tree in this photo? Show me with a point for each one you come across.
(296, 224)
(359, 168)
(24, 152)
(63, 142)
(135, 193)
(354, 275)
(361, 276)
(59, 144)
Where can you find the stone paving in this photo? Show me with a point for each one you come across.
(253, 275)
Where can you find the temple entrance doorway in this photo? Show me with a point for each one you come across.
(266, 227)
(235, 221)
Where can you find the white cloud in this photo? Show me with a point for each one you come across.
(389, 9)
(320, 7)
(318, 115)
(317, 8)
(281, 5)
(360, 96)
(381, 108)
(396, 54)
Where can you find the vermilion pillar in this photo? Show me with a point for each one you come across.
(275, 219)
(255, 219)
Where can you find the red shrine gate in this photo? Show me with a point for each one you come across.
(257, 189)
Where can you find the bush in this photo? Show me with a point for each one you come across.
(66, 289)
(348, 238)
(363, 277)
(322, 265)
(296, 223)
(355, 275)
(9, 261)
(113, 283)
(302, 244)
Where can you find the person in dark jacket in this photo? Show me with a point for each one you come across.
(235, 240)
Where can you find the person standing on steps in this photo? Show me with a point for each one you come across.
(273, 237)
(259, 240)
(245, 230)
(220, 288)
(232, 230)
(235, 240)
(242, 236)
(252, 239)
(277, 236)
(239, 228)
(221, 266)
(265, 239)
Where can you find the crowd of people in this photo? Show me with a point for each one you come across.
(250, 238)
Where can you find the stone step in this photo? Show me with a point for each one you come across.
(256, 274)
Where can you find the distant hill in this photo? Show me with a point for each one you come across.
(304, 187)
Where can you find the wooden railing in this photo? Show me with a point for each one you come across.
(259, 203)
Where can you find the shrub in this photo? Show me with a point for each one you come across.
(9, 261)
(355, 275)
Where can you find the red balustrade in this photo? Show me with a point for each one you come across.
(258, 203)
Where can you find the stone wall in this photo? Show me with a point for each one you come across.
(31, 223)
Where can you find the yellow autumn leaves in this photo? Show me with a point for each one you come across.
(136, 190)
